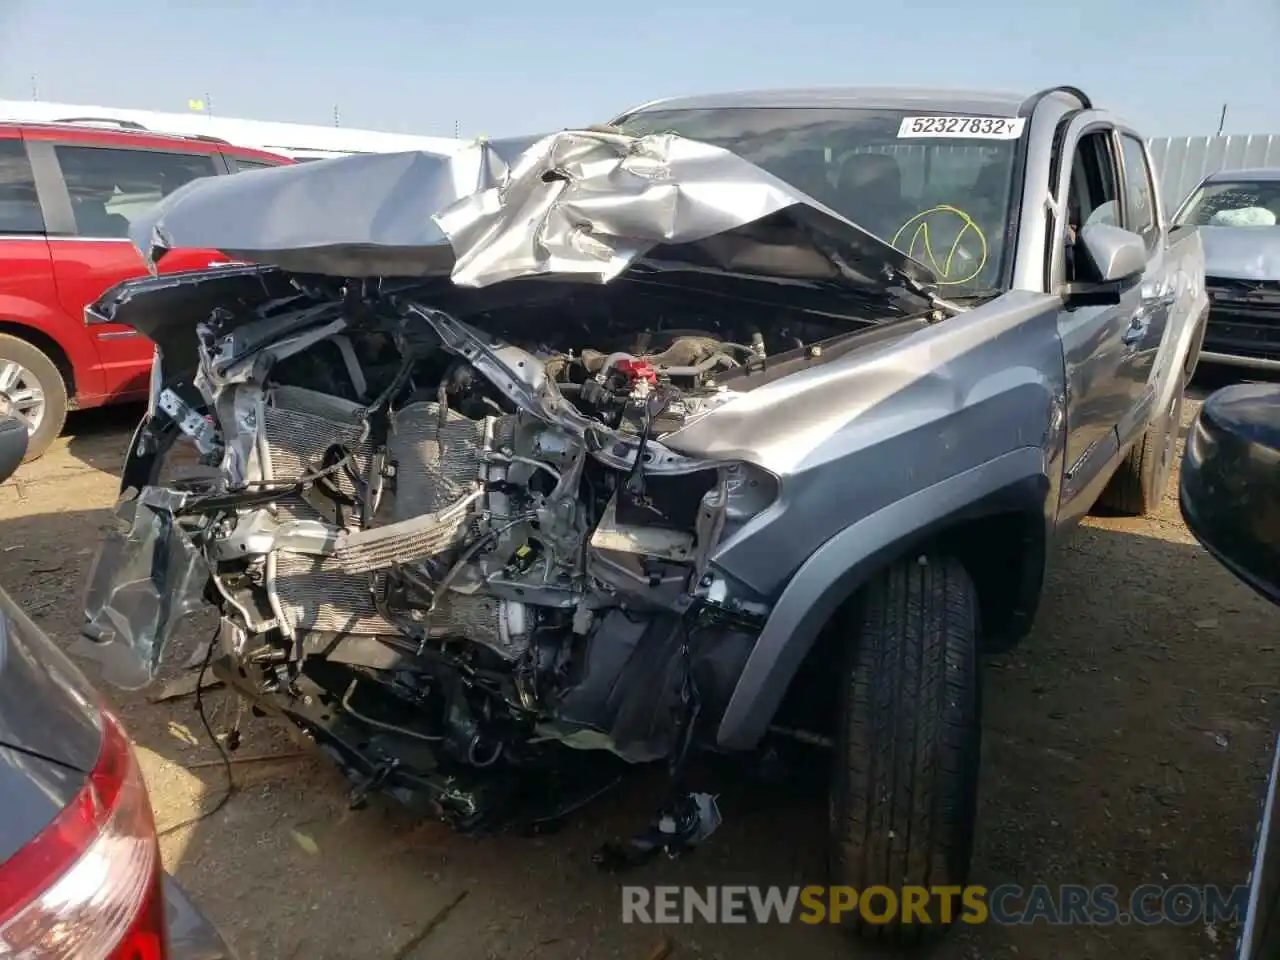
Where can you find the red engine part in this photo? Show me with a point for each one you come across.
(636, 370)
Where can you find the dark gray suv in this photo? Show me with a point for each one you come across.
(80, 871)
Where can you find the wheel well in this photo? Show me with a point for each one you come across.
(48, 346)
(1004, 554)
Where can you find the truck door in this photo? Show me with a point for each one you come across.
(1096, 344)
(107, 187)
(1157, 295)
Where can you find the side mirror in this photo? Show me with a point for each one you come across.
(13, 441)
(1230, 486)
(1118, 256)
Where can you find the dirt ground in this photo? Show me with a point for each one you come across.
(1125, 742)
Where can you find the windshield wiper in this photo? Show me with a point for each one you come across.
(986, 294)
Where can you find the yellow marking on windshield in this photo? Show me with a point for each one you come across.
(920, 239)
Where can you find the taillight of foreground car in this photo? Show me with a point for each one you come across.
(88, 886)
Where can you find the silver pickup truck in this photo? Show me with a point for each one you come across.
(743, 417)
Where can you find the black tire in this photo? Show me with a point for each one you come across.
(36, 362)
(904, 794)
(1139, 483)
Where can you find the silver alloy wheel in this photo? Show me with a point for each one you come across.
(23, 392)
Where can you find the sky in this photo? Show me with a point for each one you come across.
(501, 67)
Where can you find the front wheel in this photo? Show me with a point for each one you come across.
(34, 390)
(904, 795)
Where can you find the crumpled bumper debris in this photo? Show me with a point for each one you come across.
(148, 575)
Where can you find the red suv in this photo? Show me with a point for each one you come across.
(67, 195)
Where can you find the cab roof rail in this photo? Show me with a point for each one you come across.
(141, 128)
(112, 121)
(1029, 105)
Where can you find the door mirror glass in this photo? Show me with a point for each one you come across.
(1117, 254)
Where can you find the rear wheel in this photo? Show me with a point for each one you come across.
(1139, 483)
(35, 391)
(904, 794)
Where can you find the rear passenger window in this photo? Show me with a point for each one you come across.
(242, 165)
(1139, 203)
(19, 203)
(110, 187)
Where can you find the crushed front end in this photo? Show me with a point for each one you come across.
(427, 556)
(433, 506)
(1244, 322)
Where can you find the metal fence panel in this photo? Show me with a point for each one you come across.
(1182, 162)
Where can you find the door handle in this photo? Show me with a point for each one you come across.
(1159, 296)
(1141, 318)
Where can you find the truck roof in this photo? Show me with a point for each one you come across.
(983, 102)
(1234, 176)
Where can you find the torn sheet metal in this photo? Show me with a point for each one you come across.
(579, 203)
(148, 576)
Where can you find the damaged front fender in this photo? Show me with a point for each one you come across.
(149, 574)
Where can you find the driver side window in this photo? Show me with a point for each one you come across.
(1092, 197)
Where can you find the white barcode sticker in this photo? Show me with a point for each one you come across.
(968, 128)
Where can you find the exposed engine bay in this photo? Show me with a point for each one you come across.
(451, 551)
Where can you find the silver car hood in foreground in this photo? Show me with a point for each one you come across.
(577, 203)
(1242, 253)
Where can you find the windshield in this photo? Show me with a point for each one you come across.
(937, 188)
(1233, 203)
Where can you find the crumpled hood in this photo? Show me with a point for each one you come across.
(1242, 253)
(584, 203)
